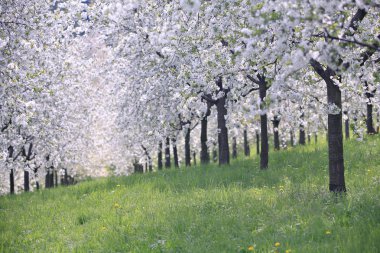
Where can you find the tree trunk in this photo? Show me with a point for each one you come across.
(276, 123)
(66, 178)
(378, 120)
(224, 152)
(335, 133)
(159, 156)
(347, 125)
(12, 182)
(292, 138)
(37, 185)
(51, 178)
(264, 154)
(187, 148)
(247, 151)
(308, 138)
(257, 143)
(234, 148)
(55, 178)
(175, 153)
(195, 158)
(336, 161)
(315, 138)
(167, 153)
(205, 156)
(369, 122)
(302, 140)
(47, 180)
(26, 181)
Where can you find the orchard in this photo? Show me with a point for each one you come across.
(99, 88)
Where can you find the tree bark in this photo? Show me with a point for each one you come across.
(194, 158)
(378, 120)
(12, 182)
(26, 181)
(55, 178)
(224, 152)
(187, 148)
(257, 143)
(167, 154)
(302, 140)
(234, 148)
(335, 133)
(264, 154)
(175, 153)
(315, 138)
(276, 123)
(205, 156)
(369, 122)
(247, 151)
(159, 156)
(292, 138)
(308, 138)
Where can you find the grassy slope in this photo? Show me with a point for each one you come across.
(208, 209)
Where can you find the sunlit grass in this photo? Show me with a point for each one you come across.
(286, 208)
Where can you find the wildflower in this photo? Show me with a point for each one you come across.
(251, 248)
(288, 251)
(116, 205)
(328, 232)
(103, 228)
(277, 244)
(118, 185)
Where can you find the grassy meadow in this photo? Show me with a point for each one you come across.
(239, 208)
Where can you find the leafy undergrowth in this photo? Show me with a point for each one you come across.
(286, 208)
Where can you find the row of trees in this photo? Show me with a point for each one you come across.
(113, 82)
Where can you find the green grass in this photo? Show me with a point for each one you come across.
(208, 209)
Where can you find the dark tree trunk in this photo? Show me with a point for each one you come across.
(335, 133)
(195, 158)
(315, 138)
(264, 154)
(66, 177)
(276, 123)
(308, 138)
(205, 156)
(369, 122)
(12, 182)
(159, 156)
(51, 178)
(378, 120)
(47, 180)
(347, 125)
(302, 140)
(224, 152)
(26, 181)
(167, 153)
(257, 143)
(187, 148)
(292, 138)
(55, 178)
(175, 153)
(37, 185)
(234, 148)
(247, 151)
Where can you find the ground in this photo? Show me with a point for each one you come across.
(286, 208)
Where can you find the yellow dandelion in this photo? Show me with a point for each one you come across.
(251, 248)
(116, 205)
(328, 232)
(288, 251)
(277, 244)
(103, 228)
